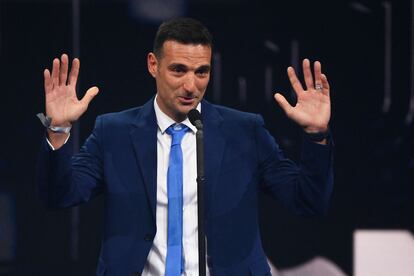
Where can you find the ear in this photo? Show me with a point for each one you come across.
(152, 64)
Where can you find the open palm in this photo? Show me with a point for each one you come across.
(313, 108)
(62, 103)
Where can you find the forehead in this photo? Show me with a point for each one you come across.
(189, 54)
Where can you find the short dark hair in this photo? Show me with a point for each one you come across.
(183, 30)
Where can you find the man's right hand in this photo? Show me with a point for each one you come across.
(62, 104)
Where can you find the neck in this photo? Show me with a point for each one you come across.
(177, 117)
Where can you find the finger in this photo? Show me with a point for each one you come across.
(283, 103)
(325, 84)
(307, 73)
(55, 72)
(317, 68)
(89, 95)
(63, 76)
(294, 81)
(74, 72)
(47, 81)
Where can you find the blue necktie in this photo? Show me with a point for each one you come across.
(174, 263)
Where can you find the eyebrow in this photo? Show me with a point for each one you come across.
(177, 66)
(202, 68)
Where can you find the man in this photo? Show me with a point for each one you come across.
(128, 159)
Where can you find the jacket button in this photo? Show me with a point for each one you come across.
(148, 237)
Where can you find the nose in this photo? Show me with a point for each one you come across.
(189, 83)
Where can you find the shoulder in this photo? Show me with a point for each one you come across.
(126, 117)
(120, 117)
(231, 115)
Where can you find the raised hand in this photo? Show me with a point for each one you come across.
(313, 108)
(62, 103)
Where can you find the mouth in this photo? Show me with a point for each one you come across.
(187, 100)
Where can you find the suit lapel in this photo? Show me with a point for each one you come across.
(214, 145)
(144, 138)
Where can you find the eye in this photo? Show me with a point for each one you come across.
(203, 72)
(178, 69)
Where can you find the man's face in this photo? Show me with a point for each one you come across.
(181, 74)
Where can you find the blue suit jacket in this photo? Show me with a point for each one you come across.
(241, 157)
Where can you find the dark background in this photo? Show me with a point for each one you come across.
(374, 161)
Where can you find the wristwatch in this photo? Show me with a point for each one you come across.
(46, 122)
(318, 136)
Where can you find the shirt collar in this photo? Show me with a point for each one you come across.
(164, 121)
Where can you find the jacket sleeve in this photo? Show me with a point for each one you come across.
(303, 188)
(65, 179)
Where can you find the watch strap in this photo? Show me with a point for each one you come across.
(47, 121)
(318, 136)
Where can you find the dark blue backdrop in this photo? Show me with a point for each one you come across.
(374, 168)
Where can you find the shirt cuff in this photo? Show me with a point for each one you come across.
(53, 148)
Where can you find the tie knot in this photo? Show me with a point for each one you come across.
(177, 132)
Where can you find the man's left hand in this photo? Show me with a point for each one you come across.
(313, 108)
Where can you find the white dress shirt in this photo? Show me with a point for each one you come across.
(156, 260)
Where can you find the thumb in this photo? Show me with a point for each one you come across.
(89, 95)
(283, 103)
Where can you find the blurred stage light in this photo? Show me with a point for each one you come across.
(383, 253)
(156, 11)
